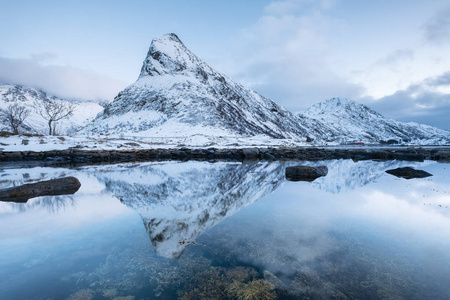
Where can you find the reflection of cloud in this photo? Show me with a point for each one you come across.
(63, 81)
(409, 211)
(437, 29)
(301, 226)
(39, 218)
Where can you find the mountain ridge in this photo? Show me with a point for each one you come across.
(350, 121)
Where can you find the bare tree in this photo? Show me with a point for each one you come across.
(54, 111)
(15, 114)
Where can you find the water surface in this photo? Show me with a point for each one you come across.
(200, 230)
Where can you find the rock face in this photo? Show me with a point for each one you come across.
(305, 173)
(54, 187)
(408, 173)
(85, 111)
(346, 121)
(177, 94)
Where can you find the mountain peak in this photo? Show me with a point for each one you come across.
(168, 55)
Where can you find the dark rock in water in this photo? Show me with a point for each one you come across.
(305, 173)
(250, 153)
(408, 173)
(54, 187)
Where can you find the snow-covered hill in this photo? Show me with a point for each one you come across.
(347, 121)
(32, 98)
(177, 94)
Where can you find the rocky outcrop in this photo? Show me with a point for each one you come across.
(408, 173)
(305, 173)
(54, 187)
(75, 155)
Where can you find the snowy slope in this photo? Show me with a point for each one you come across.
(177, 94)
(32, 98)
(180, 201)
(349, 121)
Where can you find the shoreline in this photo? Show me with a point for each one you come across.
(78, 156)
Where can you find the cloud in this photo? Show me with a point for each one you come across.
(294, 6)
(397, 56)
(284, 56)
(62, 81)
(437, 29)
(425, 102)
(41, 57)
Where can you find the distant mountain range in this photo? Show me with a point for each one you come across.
(179, 95)
(347, 121)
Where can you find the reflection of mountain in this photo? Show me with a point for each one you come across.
(346, 175)
(179, 201)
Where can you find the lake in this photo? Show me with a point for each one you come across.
(203, 230)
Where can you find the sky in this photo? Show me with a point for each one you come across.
(393, 56)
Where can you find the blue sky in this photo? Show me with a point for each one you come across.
(391, 55)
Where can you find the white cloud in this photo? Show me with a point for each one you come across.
(425, 102)
(285, 55)
(437, 28)
(62, 81)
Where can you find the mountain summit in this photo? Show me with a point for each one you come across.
(177, 94)
(168, 55)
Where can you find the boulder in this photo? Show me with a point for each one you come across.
(305, 173)
(54, 187)
(250, 153)
(408, 173)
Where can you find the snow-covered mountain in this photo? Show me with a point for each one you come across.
(85, 111)
(177, 94)
(346, 121)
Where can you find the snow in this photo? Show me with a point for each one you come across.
(85, 111)
(191, 99)
(104, 142)
(349, 121)
(179, 100)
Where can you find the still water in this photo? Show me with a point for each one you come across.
(200, 230)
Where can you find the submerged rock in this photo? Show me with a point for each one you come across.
(305, 173)
(273, 280)
(54, 187)
(408, 173)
